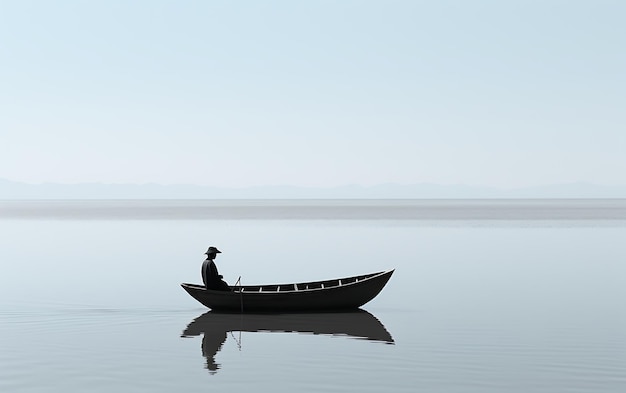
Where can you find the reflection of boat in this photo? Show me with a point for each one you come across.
(215, 327)
(338, 294)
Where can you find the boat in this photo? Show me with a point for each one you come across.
(214, 327)
(316, 296)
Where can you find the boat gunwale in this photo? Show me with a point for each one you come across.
(234, 290)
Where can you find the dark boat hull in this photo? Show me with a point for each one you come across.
(341, 294)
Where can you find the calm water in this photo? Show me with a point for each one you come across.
(488, 296)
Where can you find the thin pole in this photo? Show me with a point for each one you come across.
(240, 294)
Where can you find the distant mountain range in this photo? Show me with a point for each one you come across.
(18, 190)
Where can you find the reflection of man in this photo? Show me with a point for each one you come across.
(212, 279)
(214, 333)
(211, 345)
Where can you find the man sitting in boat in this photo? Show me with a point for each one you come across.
(212, 279)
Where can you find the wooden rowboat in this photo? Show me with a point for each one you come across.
(338, 294)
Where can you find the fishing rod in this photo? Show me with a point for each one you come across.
(240, 294)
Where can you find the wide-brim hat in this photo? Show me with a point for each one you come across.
(213, 250)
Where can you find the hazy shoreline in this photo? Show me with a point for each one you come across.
(319, 209)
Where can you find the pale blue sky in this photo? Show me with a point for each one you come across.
(317, 93)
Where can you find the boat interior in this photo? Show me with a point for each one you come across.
(305, 286)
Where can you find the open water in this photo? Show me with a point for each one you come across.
(488, 296)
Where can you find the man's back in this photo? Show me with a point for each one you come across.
(212, 279)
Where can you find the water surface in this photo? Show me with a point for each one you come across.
(487, 296)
